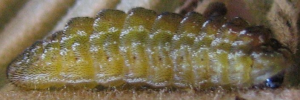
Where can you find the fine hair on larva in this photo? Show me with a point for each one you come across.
(158, 50)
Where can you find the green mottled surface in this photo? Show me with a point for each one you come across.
(143, 48)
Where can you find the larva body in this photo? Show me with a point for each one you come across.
(143, 48)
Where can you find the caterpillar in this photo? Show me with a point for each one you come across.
(146, 48)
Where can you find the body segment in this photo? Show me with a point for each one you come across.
(144, 48)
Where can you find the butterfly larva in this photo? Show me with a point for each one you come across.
(143, 48)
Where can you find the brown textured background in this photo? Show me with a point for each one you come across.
(24, 21)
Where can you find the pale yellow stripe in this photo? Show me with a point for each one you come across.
(8, 9)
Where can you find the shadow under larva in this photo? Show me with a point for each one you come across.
(142, 47)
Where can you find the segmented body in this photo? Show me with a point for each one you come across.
(142, 47)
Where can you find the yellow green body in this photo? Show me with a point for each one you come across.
(143, 48)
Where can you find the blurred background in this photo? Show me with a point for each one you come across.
(22, 22)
